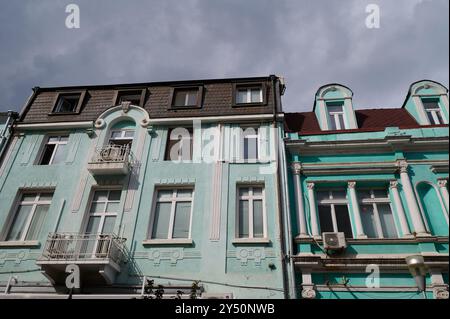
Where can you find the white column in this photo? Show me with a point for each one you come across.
(299, 206)
(313, 210)
(400, 211)
(444, 191)
(413, 207)
(356, 212)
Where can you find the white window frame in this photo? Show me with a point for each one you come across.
(122, 135)
(334, 117)
(173, 200)
(251, 136)
(35, 203)
(434, 113)
(331, 201)
(374, 201)
(104, 213)
(250, 198)
(56, 143)
(249, 94)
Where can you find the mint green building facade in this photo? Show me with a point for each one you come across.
(92, 186)
(379, 177)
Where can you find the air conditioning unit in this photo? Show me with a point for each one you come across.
(334, 241)
(217, 296)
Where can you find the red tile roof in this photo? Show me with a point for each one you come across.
(369, 120)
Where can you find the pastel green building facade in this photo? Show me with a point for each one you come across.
(119, 250)
(384, 181)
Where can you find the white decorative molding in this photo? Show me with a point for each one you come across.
(296, 168)
(308, 292)
(175, 181)
(355, 210)
(399, 209)
(216, 202)
(54, 126)
(313, 210)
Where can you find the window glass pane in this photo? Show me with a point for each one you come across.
(114, 195)
(129, 133)
(430, 105)
(257, 191)
(250, 148)
(108, 225)
(31, 197)
(93, 225)
(67, 103)
(321, 195)
(100, 196)
(165, 194)
(37, 221)
(63, 138)
(59, 154)
(180, 98)
(333, 125)
(116, 134)
(334, 108)
(192, 98)
(182, 220)
(368, 221)
(241, 96)
(243, 219)
(161, 221)
(339, 194)
(243, 191)
(440, 118)
(430, 118)
(326, 222)
(256, 95)
(387, 221)
(112, 207)
(184, 193)
(47, 154)
(380, 193)
(97, 207)
(343, 220)
(45, 197)
(341, 121)
(19, 223)
(258, 224)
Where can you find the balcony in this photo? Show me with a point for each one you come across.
(111, 160)
(98, 256)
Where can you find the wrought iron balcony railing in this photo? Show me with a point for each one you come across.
(83, 247)
(112, 154)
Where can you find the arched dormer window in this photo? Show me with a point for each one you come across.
(334, 108)
(427, 102)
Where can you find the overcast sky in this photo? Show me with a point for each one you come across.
(310, 43)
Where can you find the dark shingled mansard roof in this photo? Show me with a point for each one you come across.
(369, 120)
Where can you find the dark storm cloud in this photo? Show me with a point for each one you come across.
(310, 43)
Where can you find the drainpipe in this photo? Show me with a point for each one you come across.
(286, 242)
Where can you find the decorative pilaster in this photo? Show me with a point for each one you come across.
(299, 205)
(413, 207)
(442, 183)
(356, 211)
(400, 211)
(308, 291)
(313, 210)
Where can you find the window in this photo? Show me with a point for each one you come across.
(186, 97)
(121, 137)
(105, 206)
(245, 95)
(333, 212)
(179, 144)
(336, 114)
(172, 214)
(251, 143)
(67, 103)
(54, 150)
(135, 97)
(433, 111)
(376, 214)
(29, 216)
(251, 221)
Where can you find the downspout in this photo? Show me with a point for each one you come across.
(284, 226)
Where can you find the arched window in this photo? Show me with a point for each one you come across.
(122, 134)
(432, 208)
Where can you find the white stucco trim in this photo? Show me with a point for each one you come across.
(205, 119)
(54, 126)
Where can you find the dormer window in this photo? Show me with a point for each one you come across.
(433, 111)
(247, 94)
(135, 97)
(336, 116)
(186, 97)
(67, 103)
